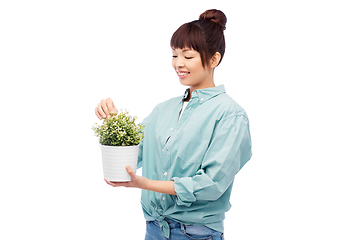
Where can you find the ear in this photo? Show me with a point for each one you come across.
(214, 61)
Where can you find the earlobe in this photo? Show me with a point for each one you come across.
(215, 59)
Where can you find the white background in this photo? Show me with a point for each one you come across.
(293, 66)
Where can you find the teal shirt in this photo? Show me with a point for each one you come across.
(201, 153)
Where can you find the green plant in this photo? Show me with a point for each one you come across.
(119, 130)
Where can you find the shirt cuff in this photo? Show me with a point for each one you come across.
(184, 191)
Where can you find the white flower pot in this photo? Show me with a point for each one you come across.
(116, 158)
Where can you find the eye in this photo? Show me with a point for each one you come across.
(174, 56)
(188, 57)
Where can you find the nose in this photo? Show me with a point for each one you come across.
(179, 63)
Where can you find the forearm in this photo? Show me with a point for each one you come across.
(166, 187)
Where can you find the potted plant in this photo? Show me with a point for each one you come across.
(119, 138)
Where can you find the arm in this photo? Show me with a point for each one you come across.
(166, 187)
(137, 181)
(229, 150)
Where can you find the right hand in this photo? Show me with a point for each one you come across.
(104, 108)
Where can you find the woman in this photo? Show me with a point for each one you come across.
(194, 144)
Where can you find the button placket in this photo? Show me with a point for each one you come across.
(166, 154)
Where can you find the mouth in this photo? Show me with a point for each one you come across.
(182, 74)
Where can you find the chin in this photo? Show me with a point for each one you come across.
(185, 83)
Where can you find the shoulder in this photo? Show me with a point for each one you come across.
(228, 107)
(165, 106)
(168, 103)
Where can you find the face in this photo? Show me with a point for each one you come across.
(188, 66)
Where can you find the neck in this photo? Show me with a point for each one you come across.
(193, 88)
(206, 83)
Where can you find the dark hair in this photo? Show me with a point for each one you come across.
(205, 35)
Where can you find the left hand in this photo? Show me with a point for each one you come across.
(135, 182)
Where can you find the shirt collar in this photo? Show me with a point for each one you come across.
(204, 94)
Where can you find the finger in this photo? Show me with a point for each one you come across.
(115, 110)
(100, 111)
(130, 171)
(116, 184)
(110, 105)
(108, 182)
(97, 113)
(105, 107)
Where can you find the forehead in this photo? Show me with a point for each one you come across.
(184, 50)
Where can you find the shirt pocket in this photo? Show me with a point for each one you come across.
(193, 146)
(197, 232)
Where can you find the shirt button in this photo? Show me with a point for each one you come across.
(163, 150)
(165, 174)
(202, 99)
(189, 108)
(171, 129)
(164, 199)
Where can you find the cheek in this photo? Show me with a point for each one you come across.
(197, 68)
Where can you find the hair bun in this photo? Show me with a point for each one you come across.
(215, 16)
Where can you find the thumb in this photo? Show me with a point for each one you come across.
(130, 171)
(114, 109)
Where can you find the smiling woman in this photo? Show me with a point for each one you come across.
(198, 47)
(194, 145)
(189, 67)
(205, 35)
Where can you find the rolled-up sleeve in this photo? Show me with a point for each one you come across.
(229, 150)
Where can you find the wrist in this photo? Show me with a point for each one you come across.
(147, 184)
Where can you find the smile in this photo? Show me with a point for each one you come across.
(182, 74)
